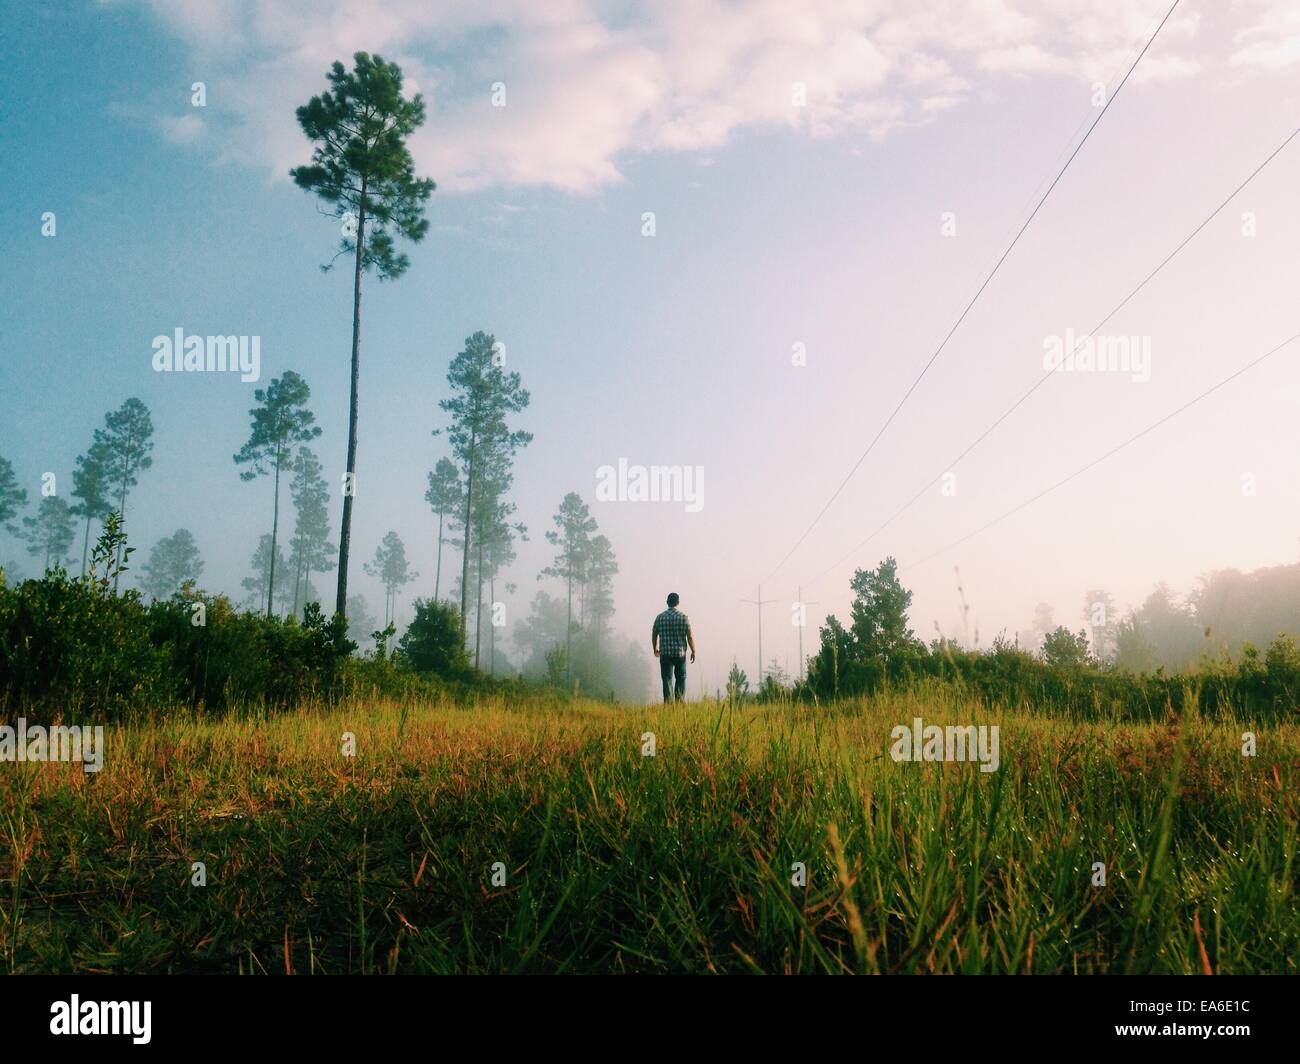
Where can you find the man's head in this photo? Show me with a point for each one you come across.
(673, 600)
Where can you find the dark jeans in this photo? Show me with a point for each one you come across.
(668, 666)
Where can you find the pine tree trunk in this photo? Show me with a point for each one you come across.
(464, 564)
(478, 609)
(437, 577)
(275, 531)
(345, 534)
(121, 512)
(85, 546)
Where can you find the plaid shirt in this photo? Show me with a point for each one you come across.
(671, 627)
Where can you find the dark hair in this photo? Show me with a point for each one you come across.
(673, 599)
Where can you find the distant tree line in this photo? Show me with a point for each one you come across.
(1231, 644)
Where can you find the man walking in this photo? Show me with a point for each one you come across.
(669, 638)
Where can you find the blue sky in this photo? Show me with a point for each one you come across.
(818, 226)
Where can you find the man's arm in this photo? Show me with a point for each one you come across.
(690, 638)
(654, 637)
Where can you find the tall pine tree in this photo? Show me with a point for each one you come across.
(444, 498)
(483, 394)
(89, 488)
(572, 538)
(125, 446)
(361, 167)
(310, 547)
(280, 421)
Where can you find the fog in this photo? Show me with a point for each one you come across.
(706, 381)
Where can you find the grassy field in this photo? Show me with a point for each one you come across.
(677, 862)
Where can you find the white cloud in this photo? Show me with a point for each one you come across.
(1270, 54)
(939, 103)
(1272, 40)
(589, 87)
(180, 129)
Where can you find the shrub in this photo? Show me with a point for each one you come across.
(1063, 649)
(68, 645)
(247, 658)
(433, 643)
(77, 645)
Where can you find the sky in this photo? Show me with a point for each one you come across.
(830, 183)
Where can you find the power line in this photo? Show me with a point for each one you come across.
(1113, 451)
(803, 616)
(1029, 199)
(1049, 373)
(760, 602)
(938, 350)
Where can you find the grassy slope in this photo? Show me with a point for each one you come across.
(674, 863)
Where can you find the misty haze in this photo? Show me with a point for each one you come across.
(677, 489)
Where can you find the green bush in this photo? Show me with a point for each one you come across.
(237, 658)
(67, 646)
(70, 645)
(1071, 682)
(433, 642)
(78, 646)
